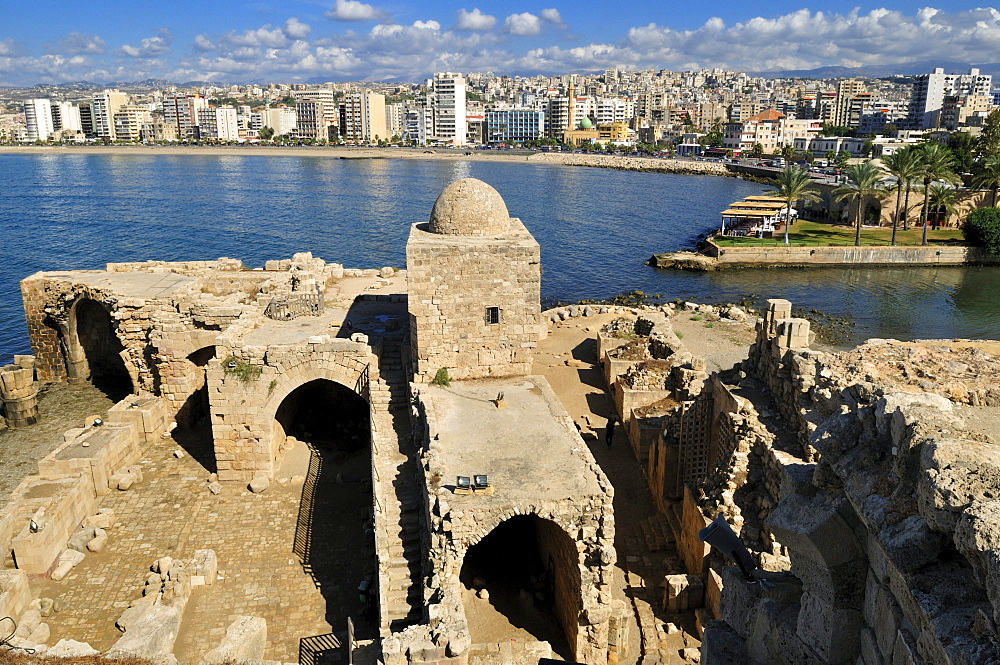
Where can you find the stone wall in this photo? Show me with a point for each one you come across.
(451, 281)
(934, 255)
(884, 513)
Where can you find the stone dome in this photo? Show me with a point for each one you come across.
(469, 207)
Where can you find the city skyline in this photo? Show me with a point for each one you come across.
(306, 41)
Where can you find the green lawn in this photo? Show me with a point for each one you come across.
(815, 234)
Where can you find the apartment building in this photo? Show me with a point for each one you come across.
(38, 119)
(514, 126)
(181, 111)
(103, 109)
(128, 122)
(448, 107)
(362, 116)
(772, 130)
(317, 114)
(929, 91)
(283, 120)
(218, 124)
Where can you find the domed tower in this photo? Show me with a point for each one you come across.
(474, 283)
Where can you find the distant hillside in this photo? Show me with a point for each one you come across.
(879, 71)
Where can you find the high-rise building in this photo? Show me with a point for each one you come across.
(128, 122)
(181, 111)
(87, 120)
(218, 124)
(316, 113)
(38, 119)
(66, 116)
(362, 116)
(929, 91)
(448, 106)
(847, 90)
(103, 109)
(394, 114)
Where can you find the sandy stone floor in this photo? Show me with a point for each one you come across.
(568, 359)
(293, 555)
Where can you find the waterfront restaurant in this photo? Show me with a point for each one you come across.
(755, 215)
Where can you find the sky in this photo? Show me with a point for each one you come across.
(54, 41)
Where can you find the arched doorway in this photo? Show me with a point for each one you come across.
(100, 350)
(873, 213)
(529, 568)
(334, 539)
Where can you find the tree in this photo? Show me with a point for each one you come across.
(943, 201)
(963, 149)
(793, 184)
(788, 152)
(889, 129)
(266, 133)
(904, 165)
(988, 143)
(712, 139)
(757, 150)
(831, 156)
(936, 163)
(989, 177)
(982, 229)
(863, 180)
(843, 159)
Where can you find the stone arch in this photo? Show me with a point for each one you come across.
(94, 351)
(538, 579)
(246, 434)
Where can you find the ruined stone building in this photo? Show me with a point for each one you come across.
(262, 358)
(863, 482)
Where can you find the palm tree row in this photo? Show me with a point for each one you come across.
(927, 164)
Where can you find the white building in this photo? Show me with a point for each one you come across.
(38, 119)
(103, 109)
(66, 116)
(448, 106)
(614, 109)
(929, 91)
(282, 120)
(218, 123)
(418, 124)
(394, 115)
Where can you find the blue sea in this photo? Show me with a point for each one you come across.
(596, 228)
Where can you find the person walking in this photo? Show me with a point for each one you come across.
(609, 431)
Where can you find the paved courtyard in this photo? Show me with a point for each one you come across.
(292, 555)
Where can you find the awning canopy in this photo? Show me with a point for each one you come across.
(748, 213)
(772, 205)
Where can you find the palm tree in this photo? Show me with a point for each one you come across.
(793, 184)
(905, 166)
(936, 163)
(863, 180)
(989, 176)
(944, 199)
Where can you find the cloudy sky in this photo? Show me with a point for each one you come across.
(53, 41)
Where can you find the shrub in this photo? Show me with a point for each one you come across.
(982, 229)
(242, 370)
(441, 378)
(679, 334)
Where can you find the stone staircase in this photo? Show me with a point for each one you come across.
(402, 560)
(660, 531)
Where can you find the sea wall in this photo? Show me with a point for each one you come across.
(806, 256)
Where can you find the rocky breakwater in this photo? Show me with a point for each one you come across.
(623, 163)
(890, 523)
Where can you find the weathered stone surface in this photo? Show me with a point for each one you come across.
(97, 543)
(721, 645)
(67, 561)
(245, 640)
(151, 635)
(469, 207)
(977, 537)
(72, 649)
(206, 565)
(260, 483)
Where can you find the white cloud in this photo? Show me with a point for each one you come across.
(151, 47)
(296, 29)
(290, 52)
(77, 43)
(552, 16)
(474, 20)
(352, 10)
(524, 24)
(203, 43)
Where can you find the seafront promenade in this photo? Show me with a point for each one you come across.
(619, 162)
